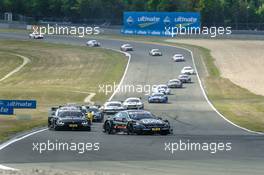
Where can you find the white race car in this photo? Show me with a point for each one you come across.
(93, 43)
(36, 36)
(187, 70)
(112, 107)
(133, 103)
(174, 83)
(162, 88)
(155, 52)
(126, 47)
(178, 58)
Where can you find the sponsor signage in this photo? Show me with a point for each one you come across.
(156, 23)
(6, 110)
(20, 104)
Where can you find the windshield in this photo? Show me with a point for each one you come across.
(163, 87)
(139, 116)
(173, 81)
(133, 100)
(70, 114)
(114, 104)
(158, 95)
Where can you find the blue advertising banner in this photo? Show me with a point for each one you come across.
(156, 23)
(6, 110)
(29, 104)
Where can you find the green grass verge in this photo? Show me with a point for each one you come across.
(57, 74)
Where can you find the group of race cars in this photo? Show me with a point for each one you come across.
(128, 116)
(161, 91)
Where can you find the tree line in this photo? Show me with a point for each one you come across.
(213, 12)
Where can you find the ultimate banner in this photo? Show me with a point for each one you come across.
(157, 23)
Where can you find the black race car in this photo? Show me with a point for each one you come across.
(68, 118)
(136, 122)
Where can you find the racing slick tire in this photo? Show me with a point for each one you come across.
(108, 128)
(130, 129)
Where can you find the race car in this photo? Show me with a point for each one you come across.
(158, 98)
(178, 58)
(133, 103)
(155, 52)
(162, 88)
(126, 47)
(187, 70)
(97, 115)
(174, 83)
(136, 122)
(184, 78)
(35, 36)
(93, 43)
(112, 107)
(68, 117)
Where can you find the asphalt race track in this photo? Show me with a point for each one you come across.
(193, 120)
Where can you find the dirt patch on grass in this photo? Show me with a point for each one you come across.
(240, 61)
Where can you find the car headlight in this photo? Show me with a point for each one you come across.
(59, 122)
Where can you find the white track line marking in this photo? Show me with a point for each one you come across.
(125, 72)
(2, 167)
(207, 99)
(6, 144)
(88, 99)
(26, 60)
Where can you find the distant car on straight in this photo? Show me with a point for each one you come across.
(36, 36)
(184, 78)
(187, 70)
(178, 58)
(93, 43)
(133, 103)
(158, 98)
(136, 122)
(112, 107)
(174, 83)
(155, 52)
(126, 47)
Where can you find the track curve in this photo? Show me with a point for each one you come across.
(192, 118)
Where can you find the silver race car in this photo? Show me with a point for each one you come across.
(133, 103)
(155, 52)
(112, 107)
